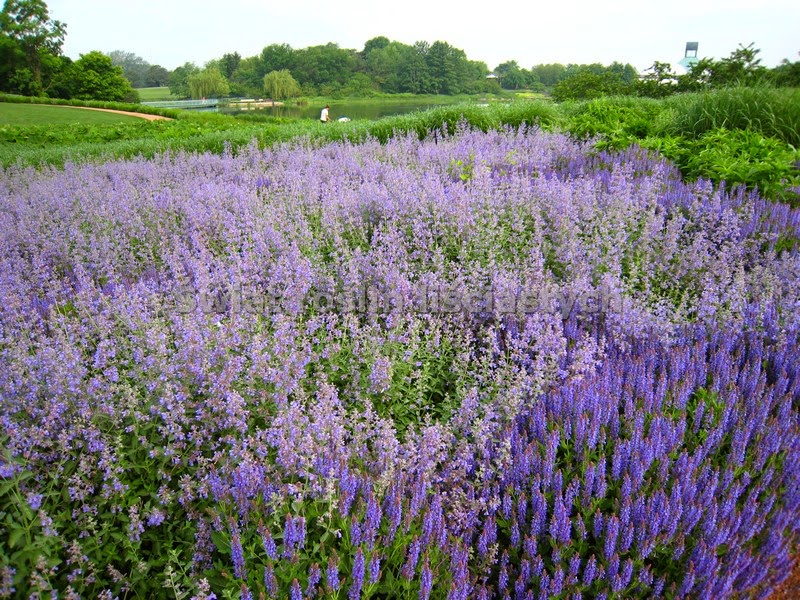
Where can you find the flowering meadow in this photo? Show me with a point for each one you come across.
(483, 365)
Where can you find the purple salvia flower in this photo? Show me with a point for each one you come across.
(610, 538)
(393, 510)
(559, 523)
(550, 456)
(688, 582)
(412, 556)
(314, 577)
(332, 573)
(488, 536)
(520, 587)
(426, 580)
(574, 568)
(432, 521)
(626, 538)
(612, 571)
(544, 586)
(589, 571)
(627, 573)
(557, 583)
(269, 545)
(538, 566)
(529, 545)
(522, 507)
(515, 535)
(358, 576)
(599, 523)
(355, 531)
(237, 552)
(507, 503)
(296, 593)
(525, 569)
(374, 568)
(372, 520)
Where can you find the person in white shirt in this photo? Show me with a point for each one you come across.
(324, 116)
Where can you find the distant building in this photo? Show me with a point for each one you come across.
(689, 56)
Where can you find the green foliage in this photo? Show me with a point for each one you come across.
(740, 135)
(773, 112)
(280, 85)
(29, 38)
(134, 67)
(157, 76)
(179, 80)
(208, 83)
(786, 74)
(586, 84)
(618, 120)
(94, 77)
(740, 157)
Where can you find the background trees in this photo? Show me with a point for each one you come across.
(95, 77)
(31, 63)
(208, 83)
(280, 85)
(30, 42)
(134, 67)
(179, 80)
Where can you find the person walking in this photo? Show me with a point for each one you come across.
(324, 116)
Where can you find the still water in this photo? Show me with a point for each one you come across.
(351, 110)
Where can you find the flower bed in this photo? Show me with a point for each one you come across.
(485, 365)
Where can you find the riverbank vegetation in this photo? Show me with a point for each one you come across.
(742, 135)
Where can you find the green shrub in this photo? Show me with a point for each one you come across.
(774, 112)
(737, 157)
(618, 120)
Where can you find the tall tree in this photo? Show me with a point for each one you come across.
(208, 83)
(248, 79)
(179, 80)
(275, 57)
(327, 65)
(742, 67)
(157, 76)
(279, 85)
(229, 63)
(376, 43)
(415, 76)
(94, 77)
(383, 65)
(448, 67)
(134, 67)
(549, 74)
(512, 77)
(27, 23)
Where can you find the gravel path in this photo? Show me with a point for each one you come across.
(123, 112)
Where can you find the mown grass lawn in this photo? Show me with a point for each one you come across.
(33, 114)
(154, 94)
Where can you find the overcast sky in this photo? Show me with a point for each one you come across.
(172, 32)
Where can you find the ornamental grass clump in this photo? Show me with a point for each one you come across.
(479, 365)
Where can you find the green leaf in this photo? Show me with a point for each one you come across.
(17, 533)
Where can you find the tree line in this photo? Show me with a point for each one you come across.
(31, 63)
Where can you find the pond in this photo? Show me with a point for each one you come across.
(351, 109)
